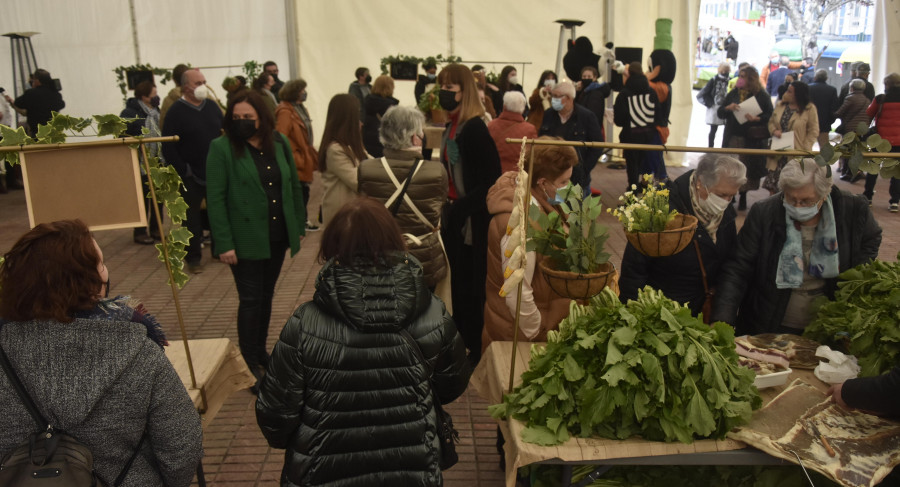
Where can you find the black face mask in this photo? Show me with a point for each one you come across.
(586, 81)
(448, 101)
(154, 102)
(244, 128)
(368, 78)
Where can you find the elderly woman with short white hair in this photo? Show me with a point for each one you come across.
(412, 188)
(690, 275)
(791, 249)
(510, 125)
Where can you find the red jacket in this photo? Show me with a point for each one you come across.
(888, 121)
(513, 126)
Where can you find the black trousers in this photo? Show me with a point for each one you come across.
(255, 281)
(193, 194)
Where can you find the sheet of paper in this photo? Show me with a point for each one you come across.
(786, 141)
(749, 107)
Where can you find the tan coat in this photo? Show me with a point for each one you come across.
(804, 125)
(339, 179)
(498, 320)
(289, 123)
(172, 97)
(428, 190)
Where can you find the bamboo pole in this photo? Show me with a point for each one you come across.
(526, 204)
(165, 250)
(92, 143)
(678, 148)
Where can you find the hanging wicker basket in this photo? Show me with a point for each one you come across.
(439, 117)
(678, 234)
(580, 286)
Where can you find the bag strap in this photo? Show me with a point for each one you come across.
(702, 268)
(127, 467)
(397, 202)
(42, 423)
(23, 394)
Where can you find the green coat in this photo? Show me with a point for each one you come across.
(236, 201)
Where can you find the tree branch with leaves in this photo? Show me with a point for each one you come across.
(807, 17)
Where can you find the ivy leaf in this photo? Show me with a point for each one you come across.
(110, 125)
(14, 136)
(180, 235)
(49, 134)
(177, 210)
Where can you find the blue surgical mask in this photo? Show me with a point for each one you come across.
(801, 214)
(431, 75)
(556, 103)
(557, 198)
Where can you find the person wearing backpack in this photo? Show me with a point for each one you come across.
(93, 368)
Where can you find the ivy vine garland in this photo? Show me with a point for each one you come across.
(166, 180)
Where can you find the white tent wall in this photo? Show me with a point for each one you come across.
(337, 37)
(82, 42)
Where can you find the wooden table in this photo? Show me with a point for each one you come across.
(491, 380)
(218, 368)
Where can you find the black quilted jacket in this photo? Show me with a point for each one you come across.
(345, 393)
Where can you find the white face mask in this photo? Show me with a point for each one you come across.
(513, 80)
(549, 83)
(714, 203)
(201, 92)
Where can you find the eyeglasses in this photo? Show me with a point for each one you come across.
(801, 203)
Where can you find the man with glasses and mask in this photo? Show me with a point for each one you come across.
(574, 123)
(196, 121)
(790, 251)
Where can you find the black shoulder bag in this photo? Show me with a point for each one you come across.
(447, 434)
(50, 458)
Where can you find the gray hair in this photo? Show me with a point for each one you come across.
(564, 88)
(514, 101)
(857, 85)
(785, 61)
(794, 175)
(186, 76)
(398, 125)
(821, 76)
(712, 168)
(892, 81)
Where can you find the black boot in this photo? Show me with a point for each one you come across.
(742, 201)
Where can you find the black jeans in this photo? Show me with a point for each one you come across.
(255, 281)
(193, 194)
(893, 189)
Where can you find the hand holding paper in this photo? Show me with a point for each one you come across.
(749, 107)
(786, 141)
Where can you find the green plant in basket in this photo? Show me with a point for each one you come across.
(578, 250)
(430, 100)
(647, 212)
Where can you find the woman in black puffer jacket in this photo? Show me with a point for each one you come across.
(345, 394)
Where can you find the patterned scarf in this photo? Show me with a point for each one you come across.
(823, 258)
(125, 308)
(709, 220)
(153, 130)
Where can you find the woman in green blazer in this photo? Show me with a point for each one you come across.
(255, 205)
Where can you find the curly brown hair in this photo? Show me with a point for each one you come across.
(50, 272)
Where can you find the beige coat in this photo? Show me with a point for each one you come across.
(339, 179)
(804, 125)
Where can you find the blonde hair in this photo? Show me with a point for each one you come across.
(470, 105)
(384, 86)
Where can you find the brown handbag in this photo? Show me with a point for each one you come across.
(710, 293)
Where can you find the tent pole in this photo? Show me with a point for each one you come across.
(134, 33)
(450, 47)
(293, 39)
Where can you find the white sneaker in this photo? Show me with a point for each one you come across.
(311, 227)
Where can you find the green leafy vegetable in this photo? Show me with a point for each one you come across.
(862, 319)
(645, 368)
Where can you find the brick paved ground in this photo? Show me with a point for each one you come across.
(236, 453)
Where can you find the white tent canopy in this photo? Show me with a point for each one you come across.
(82, 42)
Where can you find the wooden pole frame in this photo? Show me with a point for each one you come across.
(711, 150)
(159, 223)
